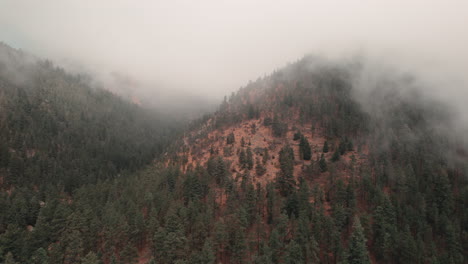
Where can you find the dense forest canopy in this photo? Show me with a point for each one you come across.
(57, 129)
(352, 183)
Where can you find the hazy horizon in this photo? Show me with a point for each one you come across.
(208, 49)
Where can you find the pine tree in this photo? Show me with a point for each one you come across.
(208, 254)
(90, 258)
(384, 229)
(285, 179)
(336, 156)
(265, 157)
(158, 243)
(297, 136)
(294, 253)
(249, 159)
(230, 139)
(259, 168)
(357, 252)
(40, 257)
(323, 164)
(304, 148)
(242, 158)
(342, 147)
(129, 254)
(9, 259)
(238, 245)
(325, 147)
(275, 244)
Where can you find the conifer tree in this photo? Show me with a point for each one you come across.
(285, 179)
(230, 139)
(357, 251)
(294, 253)
(323, 164)
(90, 258)
(9, 259)
(304, 148)
(40, 257)
(259, 168)
(243, 158)
(249, 159)
(336, 156)
(325, 147)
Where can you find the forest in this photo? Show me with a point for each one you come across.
(87, 177)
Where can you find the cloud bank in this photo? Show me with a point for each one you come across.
(210, 48)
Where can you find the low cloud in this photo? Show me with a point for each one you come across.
(207, 49)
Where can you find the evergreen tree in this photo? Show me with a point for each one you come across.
(259, 168)
(242, 158)
(357, 245)
(342, 147)
(230, 139)
(304, 148)
(294, 253)
(40, 257)
(297, 136)
(208, 254)
(285, 179)
(9, 259)
(90, 258)
(265, 157)
(384, 229)
(276, 245)
(129, 254)
(336, 156)
(249, 159)
(323, 164)
(325, 147)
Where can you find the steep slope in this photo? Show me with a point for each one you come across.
(390, 153)
(56, 129)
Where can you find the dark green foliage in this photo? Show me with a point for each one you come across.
(336, 156)
(342, 147)
(279, 128)
(358, 253)
(249, 159)
(9, 258)
(90, 258)
(216, 167)
(265, 157)
(304, 149)
(259, 168)
(384, 229)
(230, 139)
(40, 257)
(325, 147)
(297, 136)
(267, 121)
(323, 164)
(253, 112)
(285, 179)
(62, 131)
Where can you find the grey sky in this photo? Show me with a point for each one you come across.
(211, 48)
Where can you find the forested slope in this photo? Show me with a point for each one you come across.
(56, 129)
(293, 168)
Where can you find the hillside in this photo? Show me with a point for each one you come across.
(296, 167)
(57, 129)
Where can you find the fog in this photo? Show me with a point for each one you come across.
(208, 49)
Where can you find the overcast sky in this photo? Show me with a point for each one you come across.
(211, 48)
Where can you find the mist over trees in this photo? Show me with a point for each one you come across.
(89, 177)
